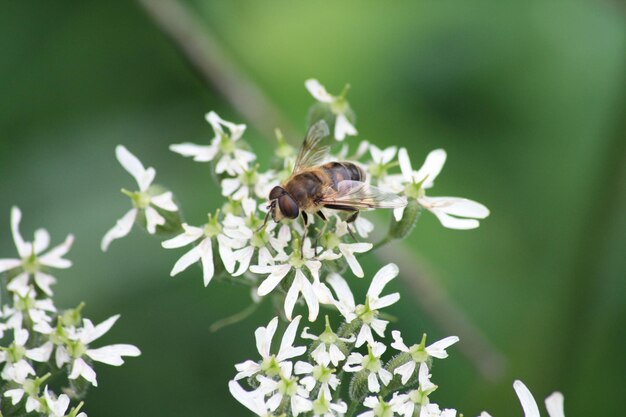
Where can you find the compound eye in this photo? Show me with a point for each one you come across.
(288, 206)
(276, 192)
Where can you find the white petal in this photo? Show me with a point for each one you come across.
(385, 301)
(365, 335)
(554, 405)
(264, 336)
(438, 349)
(379, 326)
(287, 350)
(342, 290)
(20, 284)
(382, 277)
(277, 275)
(153, 219)
(112, 355)
(98, 331)
(432, 167)
(80, 368)
(135, 168)
(378, 349)
(398, 343)
(250, 400)
(457, 206)
(44, 281)
(405, 165)
(61, 356)
(206, 255)
(348, 249)
(372, 383)
(15, 395)
(385, 376)
(405, 371)
(310, 298)
(40, 354)
(198, 152)
(8, 264)
(292, 297)
(164, 201)
(343, 127)
(454, 222)
(54, 257)
(22, 248)
(318, 91)
(186, 260)
(121, 229)
(229, 186)
(526, 399)
(191, 234)
(388, 154)
(398, 213)
(42, 240)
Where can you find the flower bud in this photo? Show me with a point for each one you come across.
(400, 229)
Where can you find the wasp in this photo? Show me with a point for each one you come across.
(315, 184)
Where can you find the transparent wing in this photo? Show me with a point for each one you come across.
(360, 195)
(313, 150)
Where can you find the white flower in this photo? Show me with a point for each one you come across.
(58, 407)
(338, 105)
(33, 261)
(367, 313)
(233, 160)
(313, 293)
(432, 410)
(271, 364)
(379, 408)
(203, 251)
(452, 212)
(79, 347)
(320, 373)
(32, 397)
(381, 160)
(328, 349)
(252, 239)
(333, 240)
(17, 368)
(143, 200)
(372, 364)
(26, 305)
(322, 406)
(285, 386)
(252, 400)
(419, 353)
(554, 403)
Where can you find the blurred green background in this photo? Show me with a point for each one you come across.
(528, 98)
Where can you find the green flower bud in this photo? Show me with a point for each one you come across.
(399, 230)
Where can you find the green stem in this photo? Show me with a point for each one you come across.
(235, 318)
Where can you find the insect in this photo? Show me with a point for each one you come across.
(314, 185)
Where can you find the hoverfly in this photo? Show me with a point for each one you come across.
(314, 185)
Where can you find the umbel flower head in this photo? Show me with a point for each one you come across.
(144, 201)
(34, 263)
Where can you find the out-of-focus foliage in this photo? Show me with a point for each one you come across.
(528, 98)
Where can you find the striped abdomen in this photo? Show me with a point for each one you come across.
(343, 171)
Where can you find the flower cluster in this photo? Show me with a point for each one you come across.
(309, 380)
(238, 243)
(352, 369)
(40, 342)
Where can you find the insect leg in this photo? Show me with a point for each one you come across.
(321, 232)
(354, 214)
(305, 222)
(351, 220)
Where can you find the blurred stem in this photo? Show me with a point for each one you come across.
(235, 318)
(195, 41)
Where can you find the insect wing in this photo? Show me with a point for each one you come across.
(360, 195)
(313, 150)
